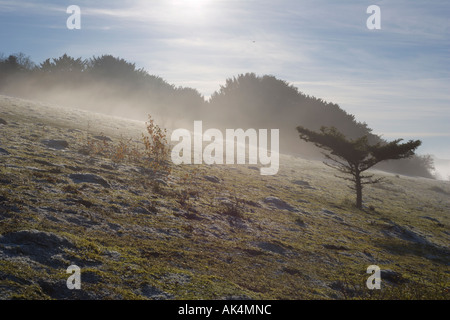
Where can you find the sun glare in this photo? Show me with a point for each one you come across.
(191, 10)
(196, 5)
(195, 2)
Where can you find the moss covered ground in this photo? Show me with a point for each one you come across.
(183, 236)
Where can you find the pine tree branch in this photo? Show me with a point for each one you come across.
(345, 178)
(341, 166)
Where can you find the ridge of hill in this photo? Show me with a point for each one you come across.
(115, 86)
(203, 231)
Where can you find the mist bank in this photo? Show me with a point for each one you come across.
(111, 85)
(442, 168)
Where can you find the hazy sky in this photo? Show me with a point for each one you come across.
(397, 79)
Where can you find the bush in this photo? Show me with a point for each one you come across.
(155, 153)
(156, 146)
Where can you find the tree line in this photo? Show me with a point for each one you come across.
(105, 84)
(113, 85)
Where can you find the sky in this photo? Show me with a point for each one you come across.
(396, 78)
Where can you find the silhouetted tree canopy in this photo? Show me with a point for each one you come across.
(354, 156)
(63, 64)
(107, 66)
(104, 83)
(267, 102)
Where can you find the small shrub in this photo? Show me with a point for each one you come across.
(119, 152)
(95, 147)
(156, 146)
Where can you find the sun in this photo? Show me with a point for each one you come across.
(191, 9)
(195, 4)
(191, 12)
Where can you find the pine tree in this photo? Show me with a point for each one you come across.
(353, 157)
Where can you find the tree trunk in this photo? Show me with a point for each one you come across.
(358, 187)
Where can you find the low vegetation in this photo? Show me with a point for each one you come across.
(200, 232)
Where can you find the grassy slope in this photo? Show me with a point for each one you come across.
(139, 239)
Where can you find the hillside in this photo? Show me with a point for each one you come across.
(114, 86)
(202, 232)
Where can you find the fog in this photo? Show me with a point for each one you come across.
(116, 87)
(442, 169)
